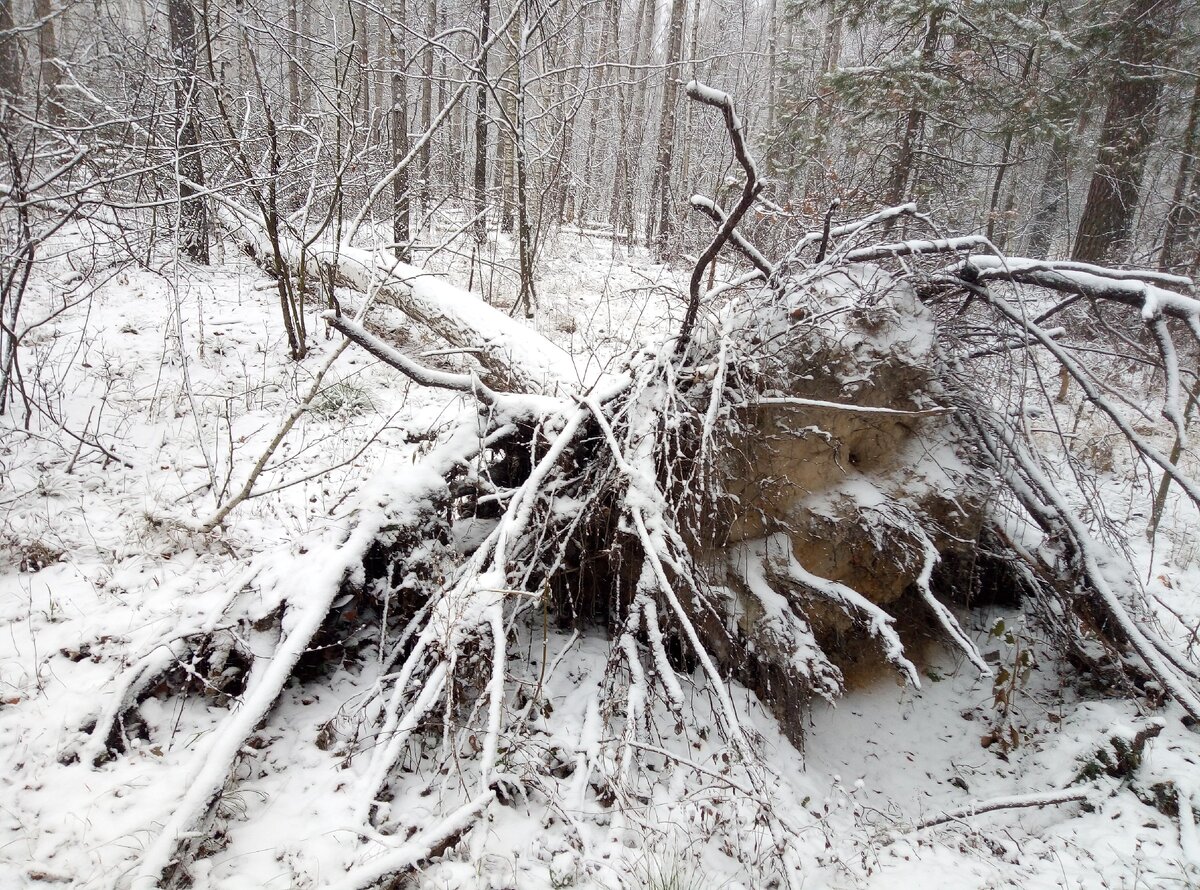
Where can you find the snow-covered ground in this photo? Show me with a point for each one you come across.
(182, 375)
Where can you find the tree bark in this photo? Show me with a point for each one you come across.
(1112, 199)
(525, 246)
(193, 213)
(401, 232)
(293, 61)
(362, 46)
(659, 231)
(1182, 216)
(914, 121)
(10, 53)
(629, 150)
(1006, 158)
(505, 180)
(51, 75)
(427, 104)
(481, 127)
(608, 30)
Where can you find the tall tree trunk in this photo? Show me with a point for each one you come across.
(481, 128)
(1112, 199)
(431, 18)
(625, 181)
(814, 187)
(772, 60)
(525, 245)
(1184, 211)
(1006, 153)
(10, 54)
(362, 54)
(293, 61)
(50, 89)
(193, 213)
(563, 171)
(608, 30)
(401, 232)
(690, 50)
(914, 122)
(659, 233)
(505, 180)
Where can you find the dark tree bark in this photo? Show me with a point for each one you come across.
(1112, 199)
(481, 127)
(401, 232)
(362, 53)
(608, 35)
(1006, 159)
(525, 246)
(1184, 212)
(10, 53)
(427, 104)
(193, 213)
(914, 121)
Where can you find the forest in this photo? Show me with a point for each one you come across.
(599, 443)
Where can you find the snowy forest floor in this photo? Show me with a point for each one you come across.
(182, 374)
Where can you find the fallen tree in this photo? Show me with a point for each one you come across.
(809, 468)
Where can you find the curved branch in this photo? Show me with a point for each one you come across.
(749, 251)
(415, 371)
(750, 190)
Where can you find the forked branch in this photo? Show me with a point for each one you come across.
(750, 189)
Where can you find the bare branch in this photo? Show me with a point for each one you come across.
(750, 190)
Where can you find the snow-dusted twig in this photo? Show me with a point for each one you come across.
(247, 489)
(414, 370)
(1013, 802)
(1043, 501)
(1189, 842)
(915, 248)
(422, 846)
(883, 410)
(1060, 353)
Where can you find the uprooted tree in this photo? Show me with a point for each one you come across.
(819, 464)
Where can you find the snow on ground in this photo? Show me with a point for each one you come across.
(182, 375)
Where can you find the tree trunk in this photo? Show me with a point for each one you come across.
(362, 45)
(914, 122)
(629, 150)
(525, 246)
(659, 231)
(10, 54)
(1184, 210)
(1112, 199)
(1006, 157)
(505, 183)
(691, 51)
(51, 75)
(566, 187)
(608, 30)
(293, 61)
(401, 232)
(427, 105)
(193, 213)
(772, 60)
(481, 128)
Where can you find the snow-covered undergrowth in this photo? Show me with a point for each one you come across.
(182, 376)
